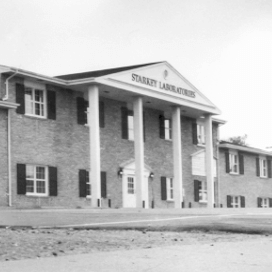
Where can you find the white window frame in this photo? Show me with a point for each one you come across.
(168, 129)
(88, 183)
(130, 120)
(200, 134)
(170, 189)
(203, 193)
(35, 180)
(264, 202)
(234, 163)
(263, 167)
(235, 201)
(33, 86)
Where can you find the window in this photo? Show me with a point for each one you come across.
(130, 185)
(88, 184)
(235, 201)
(203, 191)
(234, 163)
(36, 180)
(263, 168)
(35, 102)
(170, 188)
(264, 203)
(200, 134)
(130, 127)
(168, 129)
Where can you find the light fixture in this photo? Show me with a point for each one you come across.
(151, 175)
(120, 172)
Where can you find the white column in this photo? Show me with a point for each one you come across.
(209, 160)
(139, 152)
(93, 119)
(177, 157)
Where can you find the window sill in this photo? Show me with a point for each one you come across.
(203, 201)
(263, 177)
(201, 145)
(36, 195)
(170, 200)
(89, 197)
(234, 174)
(35, 116)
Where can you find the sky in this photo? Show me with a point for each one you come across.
(223, 47)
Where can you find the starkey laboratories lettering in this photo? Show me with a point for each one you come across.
(161, 85)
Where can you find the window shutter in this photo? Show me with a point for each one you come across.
(269, 168)
(243, 201)
(196, 190)
(227, 162)
(53, 181)
(270, 202)
(257, 167)
(194, 132)
(20, 98)
(101, 114)
(161, 127)
(124, 120)
(241, 164)
(103, 184)
(21, 179)
(81, 115)
(259, 202)
(51, 105)
(82, 183)
(163, 188)
(229, 201)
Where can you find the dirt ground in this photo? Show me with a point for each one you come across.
(18, 243)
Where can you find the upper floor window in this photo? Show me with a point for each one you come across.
(168, 129)
(35, 102)
(234, 163)
(200, 134)
(263, 168)
(130, 127)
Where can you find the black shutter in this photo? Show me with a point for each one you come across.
(161, 127)
(103, 184)
(101, 114)
(196, 190)
(20, 98)
(241, 164)
(21, 179)
(53, 181)
(270, 202)
(243, 202)
(82, 183)
(259, 202)
(227, 162)
(124, 120)
(51, 105)
(194, 132)
(229, 201)
(81, 108)
(163, 189)
(269, 168)
(257, 167)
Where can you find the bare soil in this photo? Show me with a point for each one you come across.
(18, 243)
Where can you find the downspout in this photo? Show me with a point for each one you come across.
(6, 97)
(218, 167)
(9, 163)
(7, 86)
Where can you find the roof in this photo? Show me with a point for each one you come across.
(249, 149)
(99, 73)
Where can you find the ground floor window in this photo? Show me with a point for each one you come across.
(264, 202)
(130, 185)
(235, 201)
(170, 188)
(36, 180)
(88, 184)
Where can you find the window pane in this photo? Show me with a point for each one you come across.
(30, 172)
(39, 96)
(40, 186)
(40, 172)
(28, 101)
(130, 185)
(29, 186)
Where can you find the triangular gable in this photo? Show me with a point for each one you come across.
(163, 79)
(130, 165)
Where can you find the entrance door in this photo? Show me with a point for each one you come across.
(129, 191)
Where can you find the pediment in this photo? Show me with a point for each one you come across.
(130, 165)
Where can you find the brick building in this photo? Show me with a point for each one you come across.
(245, 178)
(123, 137)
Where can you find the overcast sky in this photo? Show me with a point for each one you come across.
(223, 47)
